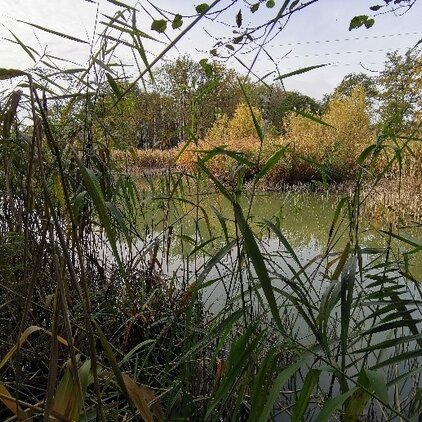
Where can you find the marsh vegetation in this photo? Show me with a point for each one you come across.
(196, 295)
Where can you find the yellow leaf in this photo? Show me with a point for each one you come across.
(23, 338)
(8, 400)
(141, 395)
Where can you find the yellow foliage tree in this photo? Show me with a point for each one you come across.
(336, 148)
(240, 126)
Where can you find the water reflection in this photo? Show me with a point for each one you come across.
(304, 219)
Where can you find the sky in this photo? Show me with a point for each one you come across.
(318, 34)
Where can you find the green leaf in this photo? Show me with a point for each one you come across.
(275, 389)
(271, 162)
(111, 357)
(93, 187)
(214, 260)
(113, 85)
(239, 19)
(375, 8)
(202, 8)
(121, 4)
(332, 405)
(11, 73)
(255, 7)
(313, 118)
(159, 25)
(378, 384)
(302, 402)
(177, 22)
(24, 47)
(270, 4)
(256, 124)
(208, 69)
(360, 20)
(258, 263)
(139, 47)
(301, 70)
(369, 23)
(60, 34)
(240, 354)
(294, 4)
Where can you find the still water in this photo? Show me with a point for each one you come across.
(194, 227)
(184, 235)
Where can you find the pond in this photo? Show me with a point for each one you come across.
(196, 225)
(190, 236)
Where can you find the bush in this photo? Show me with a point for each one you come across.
(236, 134)
(335, 148)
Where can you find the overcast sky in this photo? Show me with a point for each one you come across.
(317, 34)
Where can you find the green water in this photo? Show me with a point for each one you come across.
(204, 217)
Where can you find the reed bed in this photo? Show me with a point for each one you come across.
(93, 328)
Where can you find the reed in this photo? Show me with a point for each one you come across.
(93, 327)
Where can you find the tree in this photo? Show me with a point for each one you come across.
(351, 81)
(400, 90)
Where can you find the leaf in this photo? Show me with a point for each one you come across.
(406, 356)
(294, 4)
(25, 47)
(202, 8)
(103, 65)
(275, 389)
(23, 337)
(258, 262)
(214, 260)
(370, 382)
(255, 7)
(271, 162)
(240, 353)
(60, 34)
(301, 70)
(177, 22)
(378, 384)
(208, 69)
(375, 8)
(313, 118)
(140, 396)
(159, 25)
(256, 124)
(11, 73)
(8, 400)
(302, 402)
(112, 360)
(139, 47)
(270, 4)
(121, 4)
(332, 405)
(68, 399)
(93, 187)
(113, 85)
(360, 20)
(369, 23)
(239, 19)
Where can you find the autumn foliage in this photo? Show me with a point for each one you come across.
(331, 145)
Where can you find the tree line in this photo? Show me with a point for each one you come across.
(185, 98)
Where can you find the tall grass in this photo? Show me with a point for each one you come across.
(93, 328)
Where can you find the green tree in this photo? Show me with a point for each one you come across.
(197, 93)
(400, 90)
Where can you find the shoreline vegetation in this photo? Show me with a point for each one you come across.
(93, 327)
(321, 152)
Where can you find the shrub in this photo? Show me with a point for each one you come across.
(336, 148)
(236, 134)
